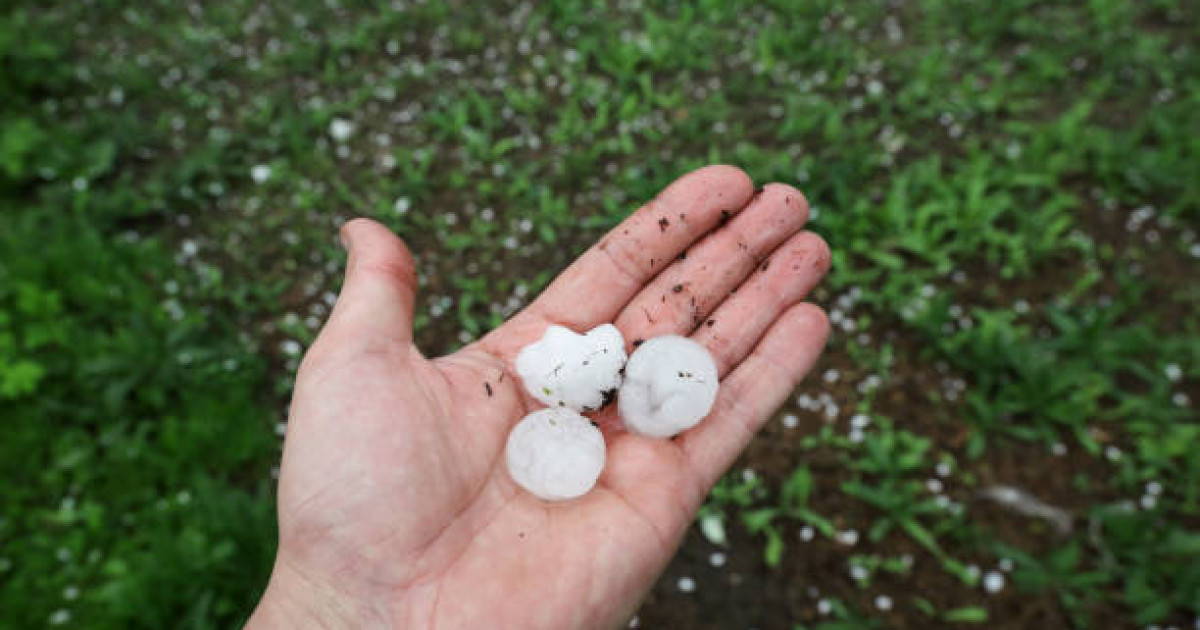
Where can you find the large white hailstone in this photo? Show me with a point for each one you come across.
(579, 372)
(555, 454)
(670, 385)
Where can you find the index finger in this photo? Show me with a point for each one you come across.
(606, 277)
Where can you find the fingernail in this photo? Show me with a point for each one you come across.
(345, 241)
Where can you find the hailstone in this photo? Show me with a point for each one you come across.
(555, 454)
(670, 385)
(567, 369)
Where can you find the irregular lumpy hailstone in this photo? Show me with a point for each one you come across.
(670, 386)
(555, 454)
(567, 369)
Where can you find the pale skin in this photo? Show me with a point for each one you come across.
(395, 508)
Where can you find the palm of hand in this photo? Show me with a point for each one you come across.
(394, 500)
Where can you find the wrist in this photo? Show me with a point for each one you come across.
(293, 600)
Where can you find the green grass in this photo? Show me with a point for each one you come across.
(1009, 190)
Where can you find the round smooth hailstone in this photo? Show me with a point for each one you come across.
(555, 454)
(670, 386)
(567, 369)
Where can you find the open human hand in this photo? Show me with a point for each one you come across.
(395, 507)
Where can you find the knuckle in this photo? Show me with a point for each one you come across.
(392, 268)
(622, 258)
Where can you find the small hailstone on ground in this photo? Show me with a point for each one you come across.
(1005, 564)
(291, 347)
(883, 602)
(717, 559)
(807, 533)
(566, 369)
(340, 129)
(555, 454)
(790, 421)
(848, 537)
(713, 529)
(670, 385)
(824, 606)
(993, 582)
(260, 173)
(686, 585)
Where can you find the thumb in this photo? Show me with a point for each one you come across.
(380, 285)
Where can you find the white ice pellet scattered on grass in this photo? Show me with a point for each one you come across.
(566, 369)
(555, 454)
(260, 173)
(1154, 488)
(686, 584)
(824, 607)
(1173, 372)
(670, 385)
(993, 582)
(883, 602)
(848, 537)
(1005, 564)
(790, 421)
(340, 129)
(713, 528)
(807, 533)
(717, 559)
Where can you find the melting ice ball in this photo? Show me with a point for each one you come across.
(670, 385)
(566, 369)
(555, 454)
